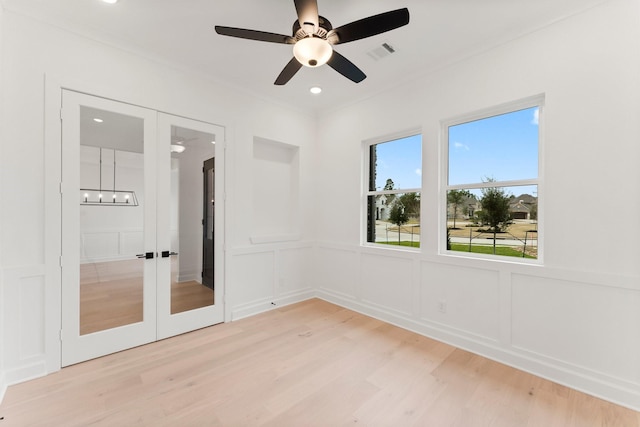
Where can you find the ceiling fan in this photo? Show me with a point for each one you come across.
(313, 39)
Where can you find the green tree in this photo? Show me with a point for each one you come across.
(455, 198)
(495, 210)
(389, 184)
(398, 215)
(411, 203)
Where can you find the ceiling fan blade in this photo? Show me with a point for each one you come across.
(254, 35)
(307, 14)
(289, 71)
(370, 26)
(346, 67)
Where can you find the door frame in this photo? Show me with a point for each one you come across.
(54, 84)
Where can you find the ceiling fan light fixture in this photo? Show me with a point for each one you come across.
(312, 51)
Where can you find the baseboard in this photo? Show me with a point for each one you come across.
(24, 373)
(3, 387)
(593, 383)
(260, 306)
(191, 277)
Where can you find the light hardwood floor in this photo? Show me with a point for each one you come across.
(308, 364)
(111, 295)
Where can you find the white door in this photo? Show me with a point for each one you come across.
(125, 251)
(190, 233)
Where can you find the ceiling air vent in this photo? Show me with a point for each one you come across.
(382, 51)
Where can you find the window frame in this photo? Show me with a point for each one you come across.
(505, 108)
(366, 177)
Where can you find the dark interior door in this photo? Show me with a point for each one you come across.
(208, 203)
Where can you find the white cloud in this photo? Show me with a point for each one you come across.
(461, 146)
(536, 117)
(419, 172)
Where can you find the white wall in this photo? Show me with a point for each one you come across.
(576, 318)
(190, 211)
(3, 384)
(29, 271)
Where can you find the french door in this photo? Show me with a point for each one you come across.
(132, 226)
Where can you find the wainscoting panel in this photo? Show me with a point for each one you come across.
(463, 298)
(263, 277)
(110, 245)
(99, 245)
(294, 266)
(334, 270)
(131, 242)
(24, 348)
(586, 326)
(251, 277)
(387, 282)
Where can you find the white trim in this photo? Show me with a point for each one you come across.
(398, 191)
(267, 304)
(365, 167)
(3, 386)
(52, 221)
(444, 187)
(261, 239)
(496, 110)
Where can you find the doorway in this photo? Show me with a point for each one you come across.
(208, 201)
(132, 228)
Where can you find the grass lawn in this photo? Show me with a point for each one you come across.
(500, 250)
(402, 243)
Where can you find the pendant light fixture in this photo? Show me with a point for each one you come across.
(107, 197)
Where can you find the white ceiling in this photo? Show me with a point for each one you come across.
(182, 32)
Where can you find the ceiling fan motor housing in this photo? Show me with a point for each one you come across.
(324, 26)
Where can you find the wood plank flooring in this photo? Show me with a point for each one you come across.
(111, 295)
(308, 364)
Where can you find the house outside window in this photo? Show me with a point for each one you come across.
(392, 191)
(492, 176)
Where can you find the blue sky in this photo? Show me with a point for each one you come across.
(503, 147)
(400, 160)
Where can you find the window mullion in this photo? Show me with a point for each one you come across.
(493, 184)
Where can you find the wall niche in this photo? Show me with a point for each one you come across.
(276, 186)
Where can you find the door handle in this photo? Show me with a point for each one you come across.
(146, 255)
(166, 254)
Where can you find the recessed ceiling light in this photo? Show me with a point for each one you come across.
(110, 1)
(97, 120)
(213, 142)
(177, 148)
(315, 90)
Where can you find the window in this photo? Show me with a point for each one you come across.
(492, 180)
(393, 185)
